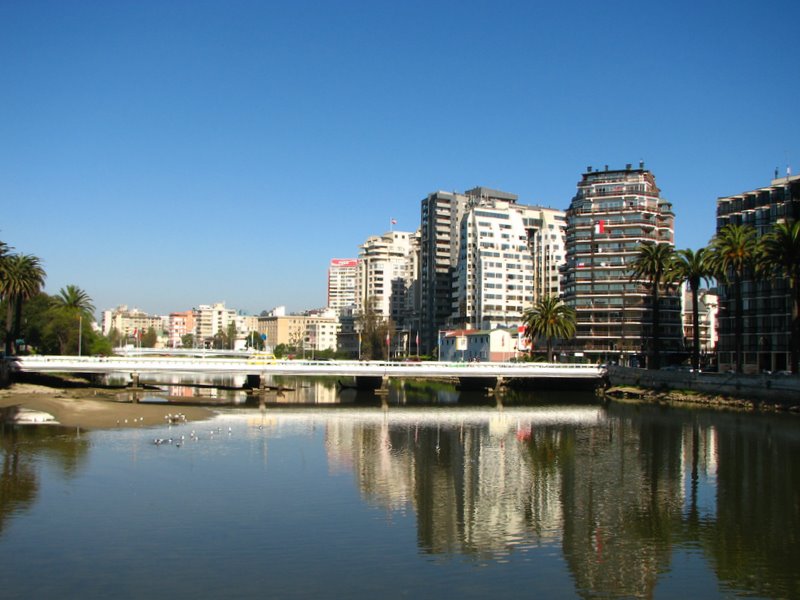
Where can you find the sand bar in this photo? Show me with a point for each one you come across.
(92, 408)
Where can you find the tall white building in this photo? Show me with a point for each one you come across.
(509, 257)
(342, 279)
(387, 269)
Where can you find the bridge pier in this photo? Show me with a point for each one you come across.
(135, 380)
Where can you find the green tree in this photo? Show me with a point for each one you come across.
(73, 298)
(373, 331)
(149, 338)
(72, 309)
(652, 265)
(733, 255)
(187, 340)
(255, 341)
(692, 267)
(220, 340)
(101, 346)
(283, 350)
(34, 323)
(549, 318)
(115, 337)
(231, 335)
(779, 255)
(21, 278)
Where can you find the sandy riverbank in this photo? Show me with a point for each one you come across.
(91, 408)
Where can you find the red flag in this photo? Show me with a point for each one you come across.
(600, 227)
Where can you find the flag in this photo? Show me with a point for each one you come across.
(394, 221)
(387, 338)
(600, 227)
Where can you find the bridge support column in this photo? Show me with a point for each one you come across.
(135, 380)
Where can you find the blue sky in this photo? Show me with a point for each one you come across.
(169, 154)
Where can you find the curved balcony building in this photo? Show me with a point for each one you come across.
(611, 215)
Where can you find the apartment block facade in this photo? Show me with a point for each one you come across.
(440, 232)
(509, 257)
(766, 302)
(307, 332)
(387, 270)
(342, 283)
(129, 323)
(611, 215)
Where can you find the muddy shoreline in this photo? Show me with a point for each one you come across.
(75, 405)
(632, 393)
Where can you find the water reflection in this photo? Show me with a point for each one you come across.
(616, 491)
(22, 447)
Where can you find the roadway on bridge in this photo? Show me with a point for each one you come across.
(262, 366)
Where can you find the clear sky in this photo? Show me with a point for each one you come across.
(166, 154)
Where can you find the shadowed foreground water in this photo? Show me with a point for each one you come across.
(566, 500)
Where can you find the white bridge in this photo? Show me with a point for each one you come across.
(262, 366)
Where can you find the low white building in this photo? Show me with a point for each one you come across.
(481, 345)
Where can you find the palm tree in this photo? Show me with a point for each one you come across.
(733, 252)
(71, 304)
(549, 318)
(779, 254)
(692, 267)
(74, 299)
(22, 278)
(652, 264)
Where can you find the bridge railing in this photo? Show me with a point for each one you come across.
(256, 365)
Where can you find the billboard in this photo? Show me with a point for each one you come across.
(344, 262)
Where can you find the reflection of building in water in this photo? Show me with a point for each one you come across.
(473, 487)
(622, 501)
(754, 542)
(506, 495)
(302, 390)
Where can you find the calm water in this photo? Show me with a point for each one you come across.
(546, 496)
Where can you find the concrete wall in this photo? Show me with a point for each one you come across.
(762, 388)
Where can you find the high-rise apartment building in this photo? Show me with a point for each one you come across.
(440, 230)
(342, 278)
(509, 257)
(766, 303)
(611, 215)
(387, 268)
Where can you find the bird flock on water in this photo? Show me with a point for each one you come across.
(180, 418)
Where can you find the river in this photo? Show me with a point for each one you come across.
(428, 493)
